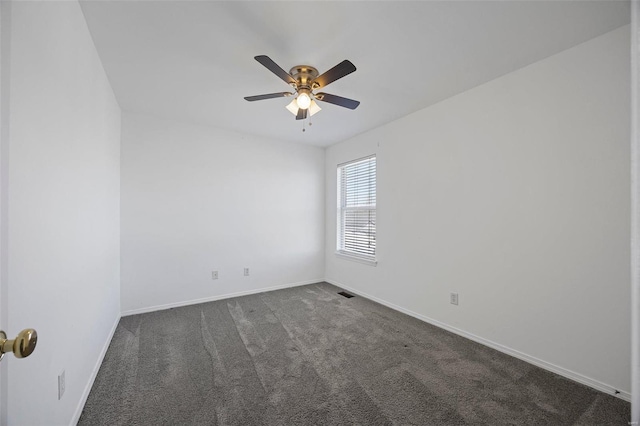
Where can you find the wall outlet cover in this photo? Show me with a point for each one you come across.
(454, 298)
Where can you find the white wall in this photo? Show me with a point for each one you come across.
(514, 194)
(5, 36)
(63, 201)
(197, 199)
(635, 211)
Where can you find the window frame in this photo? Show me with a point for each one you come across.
(342, 208)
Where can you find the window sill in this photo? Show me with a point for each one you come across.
(359, 259)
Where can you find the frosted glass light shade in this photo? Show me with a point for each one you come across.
(313, 108)
(304, 100)
(293, 107)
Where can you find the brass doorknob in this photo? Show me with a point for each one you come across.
(22, 346)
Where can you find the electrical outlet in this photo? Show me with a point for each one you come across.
(214, 275)
(454, 298)
(246, 272)
(61, 384)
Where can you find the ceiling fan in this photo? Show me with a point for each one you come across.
(305, 80)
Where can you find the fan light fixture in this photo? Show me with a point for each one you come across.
(313, 107)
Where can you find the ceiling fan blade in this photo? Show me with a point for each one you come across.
(267, 96)
(343, 68)
(337, 100)
(302, 114)
(275, 68)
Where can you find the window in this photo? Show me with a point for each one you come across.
(357, 209)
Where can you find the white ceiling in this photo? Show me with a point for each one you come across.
(193, 61)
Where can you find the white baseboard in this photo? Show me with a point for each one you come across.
(218, 297)
(595, 384)
(94, 374)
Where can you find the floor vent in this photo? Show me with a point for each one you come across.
(345, 294)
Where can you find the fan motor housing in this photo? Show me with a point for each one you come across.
(304, 75)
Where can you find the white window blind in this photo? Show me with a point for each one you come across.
(357, 208)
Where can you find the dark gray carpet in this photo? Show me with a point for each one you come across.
(308, 356)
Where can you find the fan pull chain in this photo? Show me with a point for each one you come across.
(310, 124)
